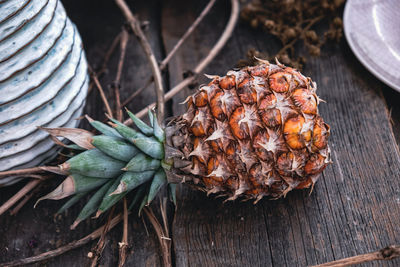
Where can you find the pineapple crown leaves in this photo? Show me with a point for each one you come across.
(119, 161)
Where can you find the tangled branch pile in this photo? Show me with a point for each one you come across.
(295, 22)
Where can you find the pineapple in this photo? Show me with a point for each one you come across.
(255, 132)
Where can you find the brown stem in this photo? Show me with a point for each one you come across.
(109, 53)
(187, 34)
(135, 26)
(123, 245)
(26, 198)
(163, 209)
(137, 92)
(200, 67)
(5, 174)
(107, 57)
(116, 85)
(174, 50)
(102, 241)
(306, 28)
(387, 253)
(164, 240)
(21, 193)
(75, 244)
(102, 94)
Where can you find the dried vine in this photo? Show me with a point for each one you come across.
(308, 23)
(387, 253)
(135, 26)
(203, 63)
(57, 252)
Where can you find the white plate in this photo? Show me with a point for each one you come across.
(372, 29)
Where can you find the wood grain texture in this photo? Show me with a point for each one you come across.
(393, 101)
(354, 208)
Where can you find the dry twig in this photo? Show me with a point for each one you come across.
(163, 239)
(123, 245)
(200, 67)
(387, 253)
(20, 194)
(135, 26)
(21, 172)
(75, 244)
(109, 53)
(187, 33)
(26, 198)
(123, 42)
(164, 63)
(288, 21)
(107, 57)
(102, 94)
(102, 243)
(163, 209)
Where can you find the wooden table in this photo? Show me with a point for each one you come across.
(354, 208)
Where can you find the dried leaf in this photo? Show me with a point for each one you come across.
(80, 137)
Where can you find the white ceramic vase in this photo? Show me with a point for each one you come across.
(43, 79)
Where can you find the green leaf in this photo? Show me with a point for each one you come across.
(150, 146)
(75, 147)
(108, 199)
(149, 111)
(142, 162)
(172, 192)
(142, 204)
(127, 132)
(159, 180)
(138, 195)
(93, 204)
(72, 201)
(131, 180)
(158, 131)
(104, 129)
(94, 163)
(85, 183)
(115, 147)
(143, 127)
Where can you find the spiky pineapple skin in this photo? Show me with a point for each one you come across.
(255, 132)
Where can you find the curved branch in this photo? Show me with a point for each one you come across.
(21, 193)
(186, 34)
(203, 64)
(63, 249)
(164, 240)
(387, 253)
(135, 26)
(165, 61)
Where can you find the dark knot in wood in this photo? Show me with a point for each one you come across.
(390, 252)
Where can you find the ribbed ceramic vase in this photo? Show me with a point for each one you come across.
(43, 79)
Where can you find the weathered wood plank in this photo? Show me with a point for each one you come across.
(393, 100)
(98, 24)
(354, 207)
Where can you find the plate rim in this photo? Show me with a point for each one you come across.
(357, 53)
